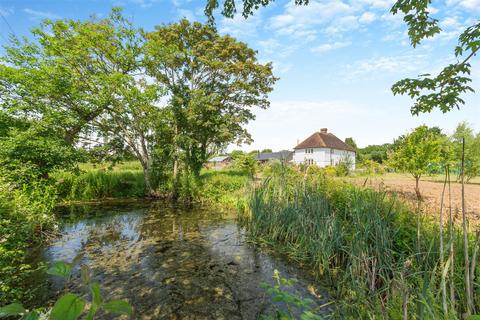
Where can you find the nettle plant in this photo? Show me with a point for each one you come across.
(294, 305)
(70, 306)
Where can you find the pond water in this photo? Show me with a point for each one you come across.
(171, 262)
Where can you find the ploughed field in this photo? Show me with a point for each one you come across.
(431, 190)
(169, 262)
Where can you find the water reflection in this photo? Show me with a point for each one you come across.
(170, 262)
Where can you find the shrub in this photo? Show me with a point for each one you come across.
(25, 214)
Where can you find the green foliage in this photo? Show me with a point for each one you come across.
(25, 212)
(372, 167)
(361, 242)
(295, 304)
(418, 151)
(472, 149)
(224, 187)
(247, 163)
(377, 153)
(34, 153)
(206, 115)
(351, 143)
(70, 306)
(100, 184)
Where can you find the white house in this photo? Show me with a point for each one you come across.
(323, 149)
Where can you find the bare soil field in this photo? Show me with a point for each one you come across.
(431, 191)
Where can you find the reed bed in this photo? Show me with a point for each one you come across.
(100, 184)
(362, 243)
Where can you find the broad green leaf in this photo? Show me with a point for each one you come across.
(34, 315)
(473, 317)
(61, 269)
(11, 310)
(118, 307)
(68, 307)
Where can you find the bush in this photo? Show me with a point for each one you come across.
(25, 214)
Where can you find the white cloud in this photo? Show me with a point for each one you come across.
(467, 4)
(144, 3)
(187, 14)
(386, 65)
(238, 26)
(275, 48)
(367, 17)
(302, 22)
(343, 24)
(35, 14)
(314, 13)
(330, 46)
(377, 4)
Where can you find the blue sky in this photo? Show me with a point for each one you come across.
(336, 60)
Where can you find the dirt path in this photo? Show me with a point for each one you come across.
(431, 192)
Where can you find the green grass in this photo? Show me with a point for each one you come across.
(360, 242)
(100, 184)
(224, 187)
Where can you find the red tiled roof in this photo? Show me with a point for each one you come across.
(324, 140)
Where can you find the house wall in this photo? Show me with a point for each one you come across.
(323, 157)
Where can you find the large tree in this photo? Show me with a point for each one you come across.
(443, 90)
(82, 81)
(213, 82)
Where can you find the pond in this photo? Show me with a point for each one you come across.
(171, 262)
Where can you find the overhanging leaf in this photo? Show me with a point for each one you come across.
(118, 307)
(68, 307)
(60, 269)
(11, 310)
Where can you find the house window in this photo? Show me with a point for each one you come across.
(309, 161)
(308, 150)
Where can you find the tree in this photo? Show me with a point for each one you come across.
(377, 153)
(417, 151)
(247, 163)
(214, 81)
(235, 154)
(94, 85)
(472, 149)
(351, 143)
(441, 91)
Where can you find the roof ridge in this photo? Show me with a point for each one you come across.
(321, 139)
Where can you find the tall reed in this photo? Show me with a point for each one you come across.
(361, 242)
(99, 184)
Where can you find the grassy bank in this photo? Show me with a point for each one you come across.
(361, 242)
(219, 187)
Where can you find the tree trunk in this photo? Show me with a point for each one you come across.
(147, 179)
(417, 188)
(176, 183)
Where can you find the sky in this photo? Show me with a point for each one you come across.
(336, 60)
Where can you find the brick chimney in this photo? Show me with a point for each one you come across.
(323, 130)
